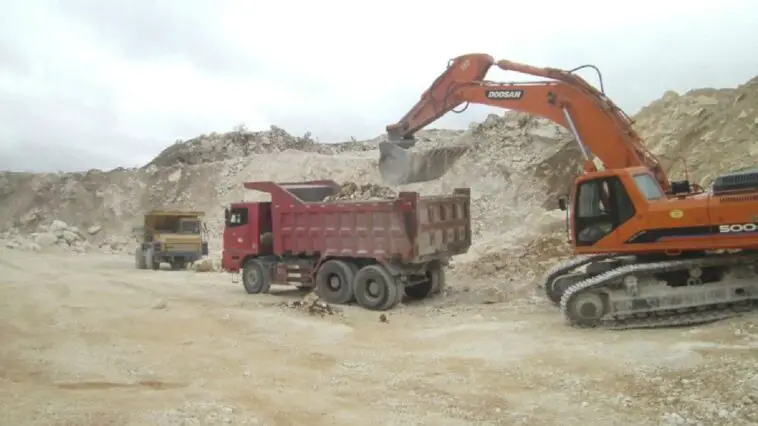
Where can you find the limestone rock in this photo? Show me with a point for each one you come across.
(45, 239)
(204, 264)
(313, 305)
(355, 192)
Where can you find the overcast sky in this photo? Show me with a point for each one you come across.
(103, 83)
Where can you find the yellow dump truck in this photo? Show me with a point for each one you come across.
(174, 237)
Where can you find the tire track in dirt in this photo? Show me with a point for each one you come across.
(472, 364)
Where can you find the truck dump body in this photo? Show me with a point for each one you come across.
(407, 229)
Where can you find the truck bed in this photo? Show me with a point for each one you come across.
(408, 229)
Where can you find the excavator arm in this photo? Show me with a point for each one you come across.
(437, 100)
(600, 128)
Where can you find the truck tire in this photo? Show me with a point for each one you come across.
(255, 277)
(150, 261)
(139, 258)
(400, 294)
(334, 282)
(436, 273)
(435, 283)
(376, 289)
(419, 291)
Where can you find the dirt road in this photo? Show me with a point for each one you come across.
(88, 340)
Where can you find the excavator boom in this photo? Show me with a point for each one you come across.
(600, 127)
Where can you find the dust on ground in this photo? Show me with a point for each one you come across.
(90, 340)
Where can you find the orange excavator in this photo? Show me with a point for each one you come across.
(650, 252)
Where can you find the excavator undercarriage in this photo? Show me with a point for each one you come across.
(626, 292)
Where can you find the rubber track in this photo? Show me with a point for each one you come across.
(666, 318)
(565, 267)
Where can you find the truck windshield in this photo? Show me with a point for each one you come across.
(648, 186)
(189, 227)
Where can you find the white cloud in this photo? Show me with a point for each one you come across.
(117, 81)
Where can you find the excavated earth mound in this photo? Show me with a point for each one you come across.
(221, 146)
(710, 131)
(516, 166)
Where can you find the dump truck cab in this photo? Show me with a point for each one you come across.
(175, 237)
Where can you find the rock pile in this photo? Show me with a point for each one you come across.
(243, 143)
(366, 192)
(522, 252)
(313, 305)
(687, 130)
(205, 264)
(58, 234)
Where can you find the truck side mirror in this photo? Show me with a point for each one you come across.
(563, 203)
(226, 215)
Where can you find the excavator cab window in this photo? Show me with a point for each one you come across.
(648, 186)
(601, 206)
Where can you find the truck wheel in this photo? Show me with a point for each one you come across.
(376, 289)
(400, 294)
(435, 283)
(436, 274)
(151, 262)
(139, 259)
(255, 277)
(334, 282)
(419, 291)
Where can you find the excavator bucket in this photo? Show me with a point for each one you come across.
(399, 166)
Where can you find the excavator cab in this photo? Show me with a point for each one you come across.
(601, 203)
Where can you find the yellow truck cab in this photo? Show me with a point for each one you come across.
(178, 238)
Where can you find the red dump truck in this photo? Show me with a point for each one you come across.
(373, 252)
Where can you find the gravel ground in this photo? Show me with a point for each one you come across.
(87, 339)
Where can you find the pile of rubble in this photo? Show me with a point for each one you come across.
(366, 192)
(244, 143)
(57, 234)
(521, 251)
(313, 305)
(687, 130)
(205, 264)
